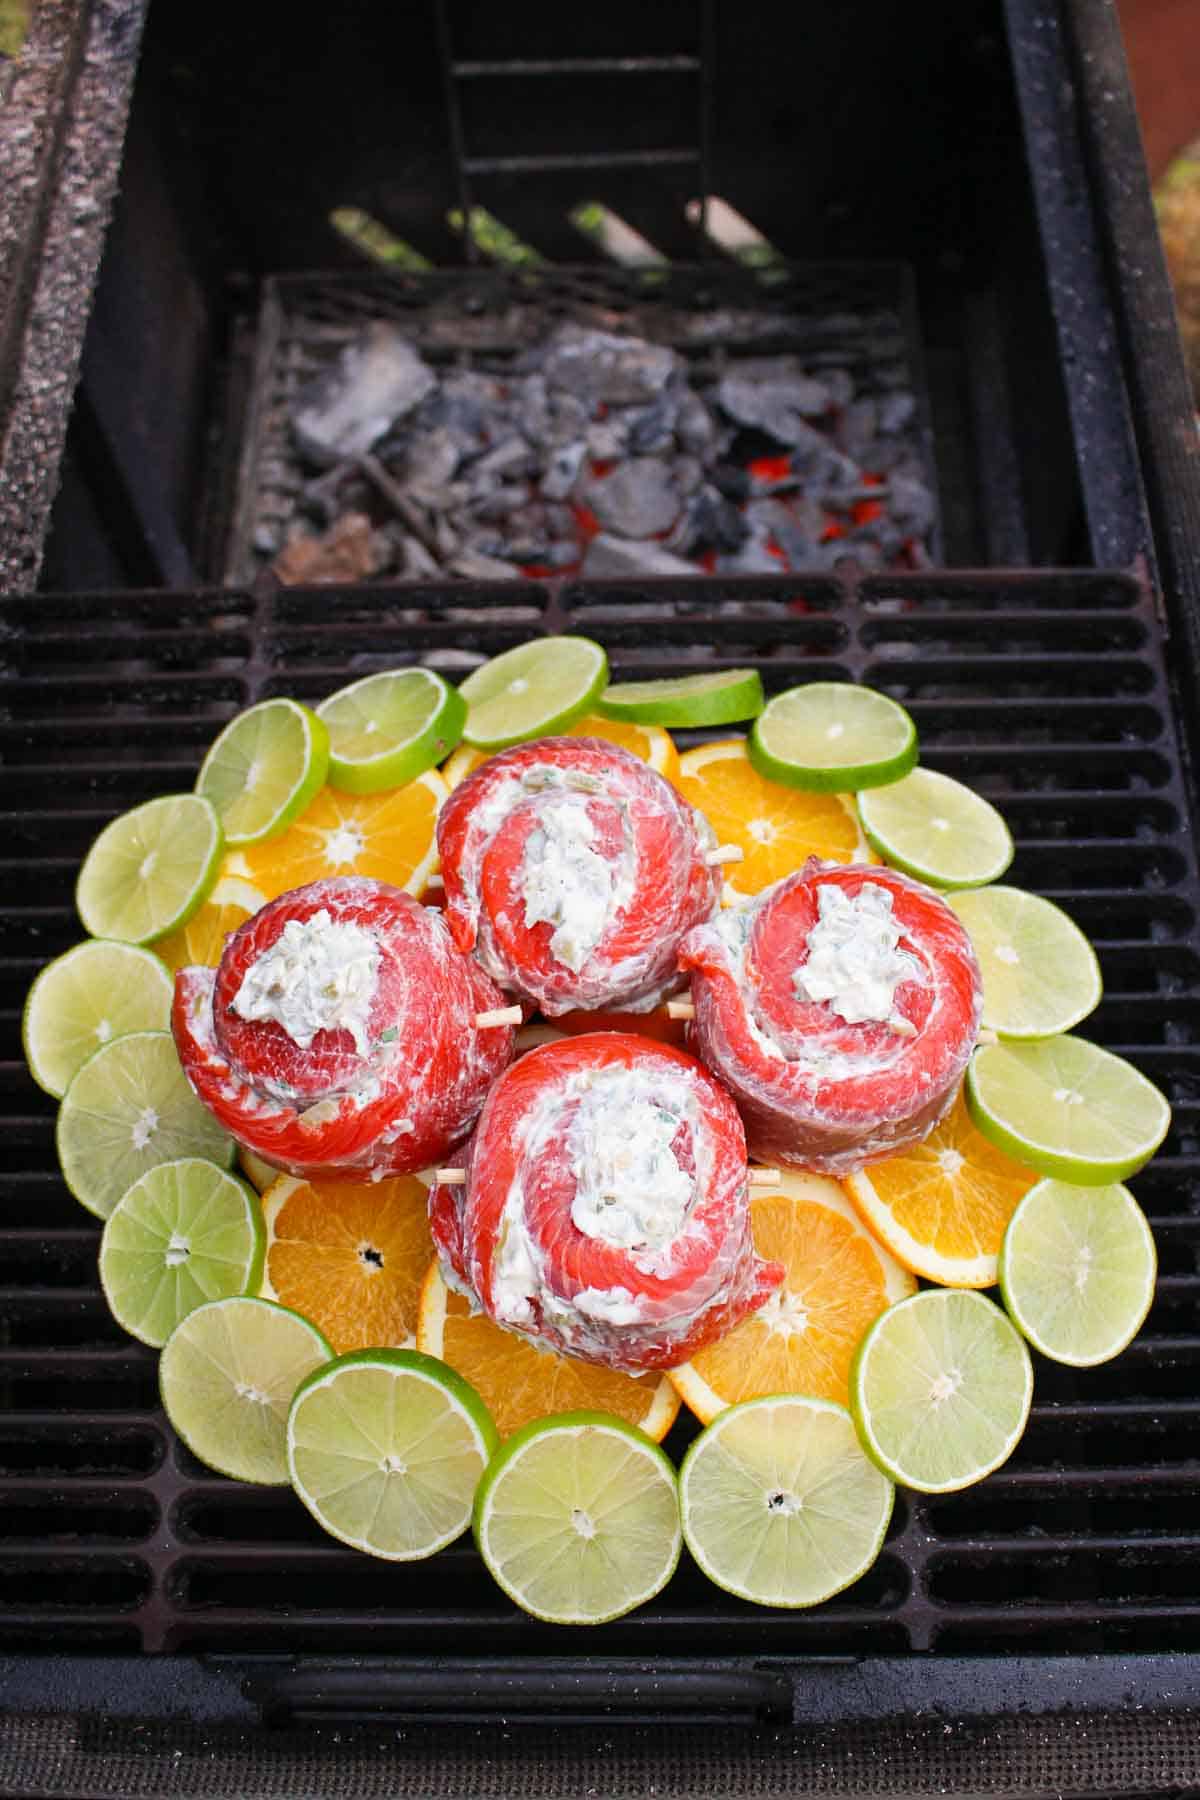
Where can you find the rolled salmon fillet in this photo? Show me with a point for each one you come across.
(573, 871)
(840, 1007)
(338, 1032)
(604, 1213)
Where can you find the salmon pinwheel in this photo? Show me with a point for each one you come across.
(573, 871)
(601, 1209)
(342, 1031)
(840, 1007)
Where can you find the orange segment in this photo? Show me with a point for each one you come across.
(838, 1281)
(519, 1382)
(349, 1255)
(654, 745)
(201, 941)
(942, 1207)
(776, 828)
(388, 836)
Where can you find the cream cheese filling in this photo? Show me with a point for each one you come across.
(854, 962)
(318, 975)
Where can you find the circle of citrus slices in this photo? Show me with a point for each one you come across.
(350, 1255)
(802, 1341)
(942, 1205)
(519, 1382)
(389, 837)
(776, 828)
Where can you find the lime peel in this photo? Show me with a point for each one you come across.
(150, 869)
(533, 690)
(264, 769)
(385, 729)
(721, 697)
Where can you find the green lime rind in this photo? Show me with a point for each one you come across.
(264, 769)
(1041, 976)
(227, 1375)
(186, 1232)
(577, 1518)
(533, 690)
(388, 728)
(386, 1448)
(832, 737)
(940, 1389)
(780, 1505)
(150, 869)
(937, 830)
(1065, 1107)
(722, 698)
(96, 991)
(128, 1108)
(1077, 1270)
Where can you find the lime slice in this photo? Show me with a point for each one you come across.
(390, 727)
(97, 991)
(1067, 1108)
(186, 1232)
(834, 737)
(532, 691)
(940, 1389)
(1077, 1270)
(386, 1448)
(577, 1518)
(263, 770)
(227, 1375)
(150, 870)
(780, 1506)
(717, 699)
(934, 828)
(1040, 974)
(128, 1109)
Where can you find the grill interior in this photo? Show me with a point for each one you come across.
(1046, 690)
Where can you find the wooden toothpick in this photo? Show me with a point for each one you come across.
(501, 1015)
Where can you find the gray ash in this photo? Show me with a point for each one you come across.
(597, 453)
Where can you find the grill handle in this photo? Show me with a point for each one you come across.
(446, 1690)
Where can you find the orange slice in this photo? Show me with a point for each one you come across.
(518, 1382)
(776, 828)
(654, 745)
(838, 1281)
(388, 836)
(349, 1255)
(942, 1206)
(201, 941)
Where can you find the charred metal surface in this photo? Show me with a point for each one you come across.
(62, 124)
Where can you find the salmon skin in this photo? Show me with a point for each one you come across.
(573, 872)
(605, 1211)
(396, 1084)
(772, 986)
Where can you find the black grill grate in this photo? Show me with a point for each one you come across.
(1048, 691)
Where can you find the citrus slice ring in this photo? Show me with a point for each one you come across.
(777, 829)
(833, 737)
(779, 1504)
(837, 1280)
(388, 836)
(264, 768)
(1077, 1271)
(577, 1518)
(720, 698)
(937, 830)
(942, 1205)
(520, 1382)
(150, 869)
(533, 690)
(385, 1448)
(940, 1390)
(387, 728)
(350, 1255)
(840, 1008)
(96, 991)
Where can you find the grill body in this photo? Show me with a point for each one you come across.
(154, 1616)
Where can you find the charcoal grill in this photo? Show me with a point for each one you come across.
(164, 1630)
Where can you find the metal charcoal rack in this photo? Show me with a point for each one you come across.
(164, 1630)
